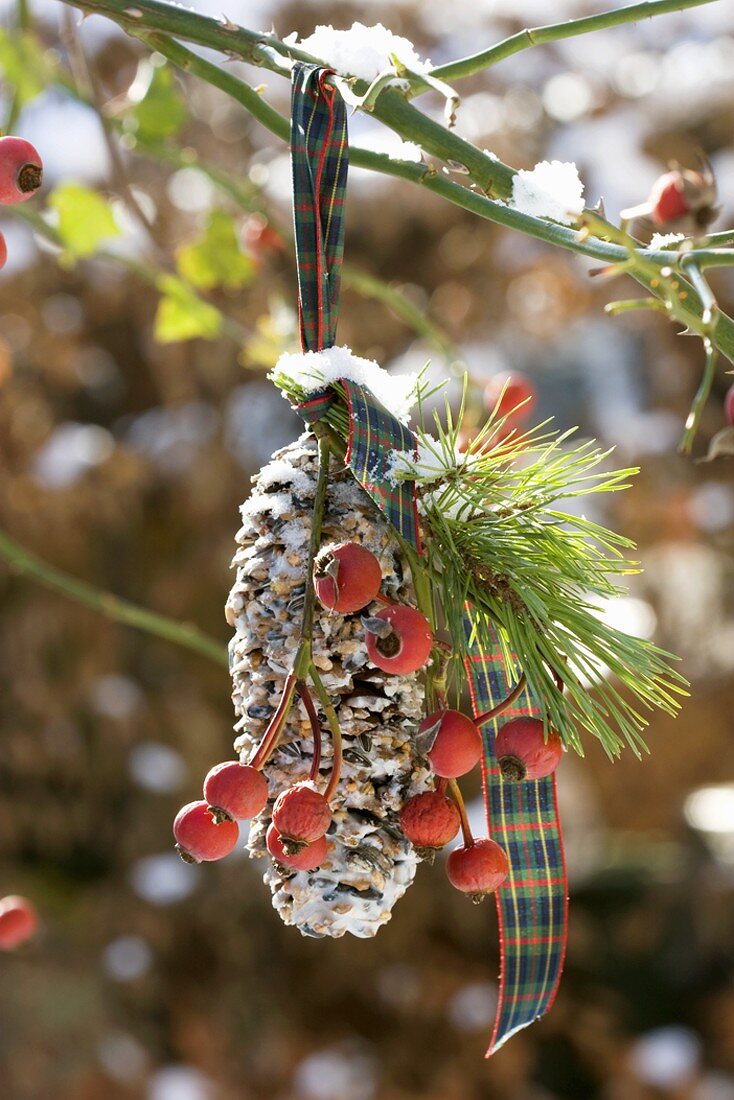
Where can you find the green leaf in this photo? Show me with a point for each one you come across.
(182, 315)
(216, 258)
(158, 110)
(24, 65)
(84, 219)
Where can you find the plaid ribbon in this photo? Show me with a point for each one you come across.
(319, 161)
(532, 905)
(523, 817)
(374, 435)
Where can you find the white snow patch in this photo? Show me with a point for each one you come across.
(551, 190)
(314, 370)
(391, 145)
(450, 503)
(276, 504)
(427, 463)
(280, 472)
(662, 240)
(360, 51)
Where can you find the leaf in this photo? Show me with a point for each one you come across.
(721, 446)
(24, 65)
(182, 315)
(216, 258)
(84, 219)
(158, 109)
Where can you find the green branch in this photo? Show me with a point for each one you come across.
(490, 175)
(554, 32)
(24, 563)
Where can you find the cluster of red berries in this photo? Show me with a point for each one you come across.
(21, 174)
(207, 830)
(346, 579)
(18, 922)
(432, 819)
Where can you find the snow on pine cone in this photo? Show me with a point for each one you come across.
(370, 863)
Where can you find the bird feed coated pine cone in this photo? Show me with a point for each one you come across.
(370, 863)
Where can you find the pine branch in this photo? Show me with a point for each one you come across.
(498, 539)
(555, 32)
(24, 563)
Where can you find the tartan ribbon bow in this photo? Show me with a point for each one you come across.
(523, 817)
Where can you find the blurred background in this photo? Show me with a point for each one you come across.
(148, 290)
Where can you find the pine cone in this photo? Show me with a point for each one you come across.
(370, 863)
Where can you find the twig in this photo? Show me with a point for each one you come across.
(554, 32)
(86, 78)
(24, 563)
(699, 401)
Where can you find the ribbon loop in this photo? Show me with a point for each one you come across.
(319, 162)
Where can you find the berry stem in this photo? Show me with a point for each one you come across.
(307, 700)
(459, 800)
(493, 712)
(269, 739)
(336, 733)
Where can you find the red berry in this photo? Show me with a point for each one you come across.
(430, 820)
(18, 921)
(668, 200)
(301, 814)
(199, 838)
(235, 791)
(260, 237)
(399, 639)
(3, 251)
(512, 393)
(21, 170)
(307, 858)
(347, 577)
(478, 868)
(729, 405)
(522, 751)
(451, 742)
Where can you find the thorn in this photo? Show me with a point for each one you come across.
(133, 13)
(227, 23)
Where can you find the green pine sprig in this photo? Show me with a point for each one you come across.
(501, 534)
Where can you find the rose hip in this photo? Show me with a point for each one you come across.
(307, 858)
(18, 921)
(21, 170)
(513, 393)
(235, 791)
(729, 405)
(301, 815)
(199, 838)
(399, 639)
(454, 744)
(346, 577)
(523, 752)
(429, 821)
(477, 869)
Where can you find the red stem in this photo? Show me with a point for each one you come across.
(465, 830)
(307, 700)
(495, 711)
(270, 738)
